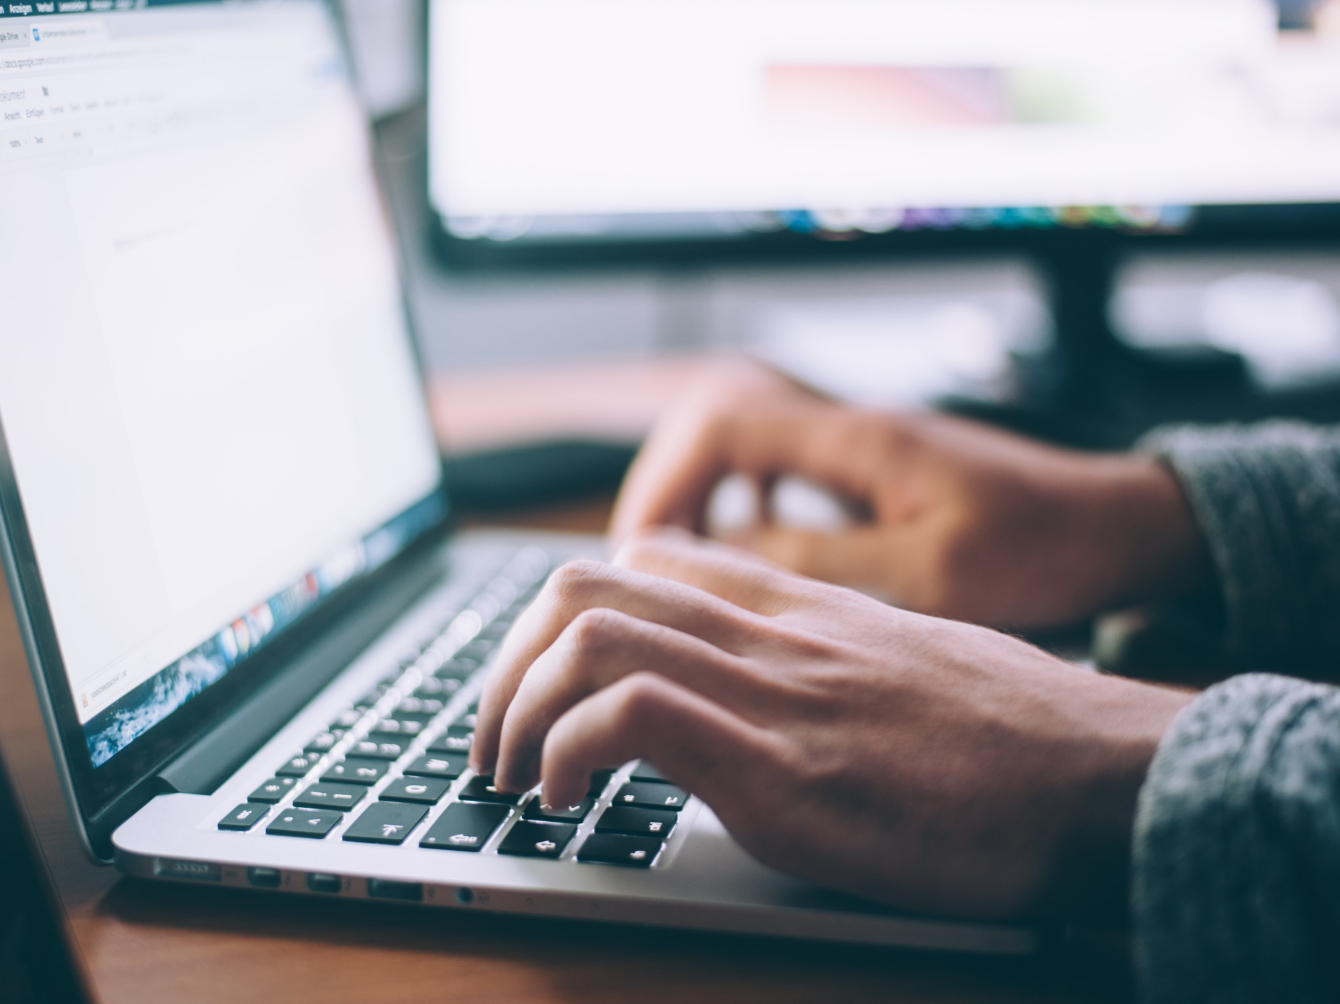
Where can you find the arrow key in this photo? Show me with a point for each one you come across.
(386, 823)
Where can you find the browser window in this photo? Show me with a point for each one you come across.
(206, 382)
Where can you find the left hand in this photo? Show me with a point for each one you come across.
(927, 763)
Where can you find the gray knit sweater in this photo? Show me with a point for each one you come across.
(1236, 857)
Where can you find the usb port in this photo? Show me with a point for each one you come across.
(384, 889)
(318, 882)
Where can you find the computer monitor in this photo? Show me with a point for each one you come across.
(712, 127)
(707, 131)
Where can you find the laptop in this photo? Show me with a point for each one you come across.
(39, 963)
(257, 642)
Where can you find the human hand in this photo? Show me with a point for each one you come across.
(961, 520)
(931, 764)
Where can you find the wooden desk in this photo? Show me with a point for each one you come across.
(147, 943)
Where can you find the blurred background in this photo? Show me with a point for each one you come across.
(1075, 220)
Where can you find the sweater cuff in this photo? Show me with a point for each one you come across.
(1235, 869)
(1238, 484)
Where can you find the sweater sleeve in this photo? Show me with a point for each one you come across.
(1267, 499)
(1236, 853)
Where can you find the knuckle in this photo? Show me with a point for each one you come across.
(571, 582)
(639, 699)
(592, 632)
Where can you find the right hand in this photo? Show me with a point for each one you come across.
(964, 521)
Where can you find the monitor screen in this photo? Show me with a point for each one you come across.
(207, 387)
(599, 120)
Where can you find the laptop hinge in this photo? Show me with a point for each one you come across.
(212, 759)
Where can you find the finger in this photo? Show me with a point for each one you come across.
(855, 556)
(598, 649)
(740, 577)
(681, 461)
(700, 745)
(672, 478)
(587, 585)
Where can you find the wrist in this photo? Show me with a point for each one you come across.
(1152, 546)
(1123, 724)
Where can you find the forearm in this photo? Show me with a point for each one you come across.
(1236, 854)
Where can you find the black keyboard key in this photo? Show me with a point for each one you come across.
(646, 772)
(437, 766)
(560, 813)
(323, 742)
(650, 795)
(298, 766)
(481, 789)
(272, 790)
(476, 652)
(385, 823)
(244, 817)
(496, 630)
(600, 780)
(428, 790)
(431, 687)
(464, 827)
(408, 727)
(614, 849)
(457, 739)
(355, 770)
(537, 840)
(313, 823)
(637, 822)
(456, 669)
(341, 797)
(426, 707)
(379, 749)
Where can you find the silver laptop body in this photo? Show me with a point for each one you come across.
(256, 643)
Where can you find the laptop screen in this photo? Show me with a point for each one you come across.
(207, 386)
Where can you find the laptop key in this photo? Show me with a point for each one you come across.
(651, 795)
(428, 707)
(355, 770)
(600, 780)
(323, 742)
(637, 822)
(272, 790)
(298, 766)
(437, 766)
(464, 826)
(408, 727)
(244, 817)
(559, 813)
(646, 772)
(321, 795)
(537, 840)
(481, 789)
(433, 687)
(312, 823)
(385, 823)
(457, 739)
(428, 790)
(379, 750)
(346, 719)
(614, 849)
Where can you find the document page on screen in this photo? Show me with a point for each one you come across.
(206, 382)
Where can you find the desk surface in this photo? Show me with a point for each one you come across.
(146, 943)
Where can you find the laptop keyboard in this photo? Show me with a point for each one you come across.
(393, 765)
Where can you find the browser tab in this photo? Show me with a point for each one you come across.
(13, 38)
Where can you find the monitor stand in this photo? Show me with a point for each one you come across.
(1091, 389)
